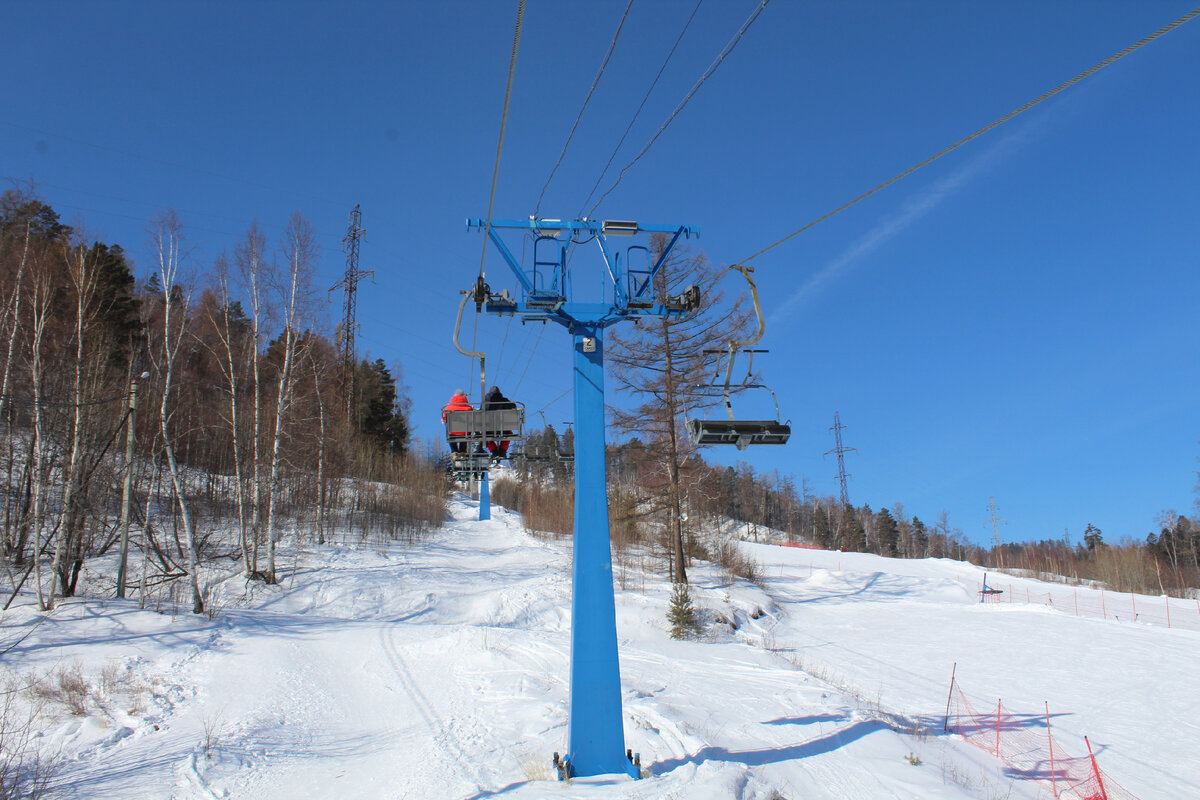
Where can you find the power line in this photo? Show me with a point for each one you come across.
(1086, 73)
(637, 113)
(737, 37)
(530, 361)
(595, 81)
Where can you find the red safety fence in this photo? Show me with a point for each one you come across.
(1024, 742)
(1167, 612)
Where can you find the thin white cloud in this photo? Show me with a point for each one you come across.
(913, 209)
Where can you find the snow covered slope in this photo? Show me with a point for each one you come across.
(438, 671)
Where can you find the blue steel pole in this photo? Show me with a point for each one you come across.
(596, 744)
(485, 500)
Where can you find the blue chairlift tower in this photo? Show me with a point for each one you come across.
(596, 740)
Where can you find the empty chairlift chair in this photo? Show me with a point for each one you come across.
(738, 432)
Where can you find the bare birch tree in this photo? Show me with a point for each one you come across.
(41, 299)
(166, 241)
(233, 351)
(300, 251)
(84, 278)
(11, 324)
(252, 266)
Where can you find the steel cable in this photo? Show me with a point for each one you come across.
(637, 113)
(512, 68)
(737, 37)
(1086, 73)
(595, 81)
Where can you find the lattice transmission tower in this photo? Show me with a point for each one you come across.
(841, 451)
(995, 523)
(349, 285)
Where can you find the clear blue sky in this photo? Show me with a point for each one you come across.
(1017, 320)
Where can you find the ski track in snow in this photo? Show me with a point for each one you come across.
(440, 671)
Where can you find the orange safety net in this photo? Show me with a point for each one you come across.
(1024, 742)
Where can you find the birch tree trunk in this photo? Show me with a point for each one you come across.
(321, 493)
(229, 359)
(298, 240)
(82, 273)
(12, 322)
(41, 300)
(167, 241)
(250, 261)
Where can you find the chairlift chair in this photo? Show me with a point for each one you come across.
(476, 426)
(740, 433)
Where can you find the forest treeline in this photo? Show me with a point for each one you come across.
(718, 499)
(253, 423)
(662, 492)
(248, 417)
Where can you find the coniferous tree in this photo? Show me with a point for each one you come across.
(681, 613)
(888, 533)
(383, 420)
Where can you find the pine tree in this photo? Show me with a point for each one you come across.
(681, 614)
(381, 416)
(889, 533)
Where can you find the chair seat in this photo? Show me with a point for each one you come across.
(738, 432)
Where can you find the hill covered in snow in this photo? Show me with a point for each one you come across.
(438, 670)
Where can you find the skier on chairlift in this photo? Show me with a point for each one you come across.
(495, 400)
(458, 402)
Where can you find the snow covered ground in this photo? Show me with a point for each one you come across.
(439, 671)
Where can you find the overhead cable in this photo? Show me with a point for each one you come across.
(512, 68)
(595, 81)
(1086, 73)
(629, 127)
(737, 37)
(530, 361)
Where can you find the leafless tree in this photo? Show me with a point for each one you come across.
(232, 352)
(167, 235)
(252, 265)
(658, 363)
(300, 252)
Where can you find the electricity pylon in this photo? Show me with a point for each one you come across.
(841, 451)
(350, 284)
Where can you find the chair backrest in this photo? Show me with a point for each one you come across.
(505, 423)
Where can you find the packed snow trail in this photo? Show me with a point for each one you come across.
(438, 670)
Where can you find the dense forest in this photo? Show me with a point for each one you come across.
(190, 421)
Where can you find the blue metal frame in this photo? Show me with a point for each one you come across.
(596, 744)
(485, 498)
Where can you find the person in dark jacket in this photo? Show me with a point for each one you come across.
(495, 400)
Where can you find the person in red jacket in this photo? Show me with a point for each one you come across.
(458, 402)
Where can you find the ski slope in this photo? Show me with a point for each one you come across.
(439, 671)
